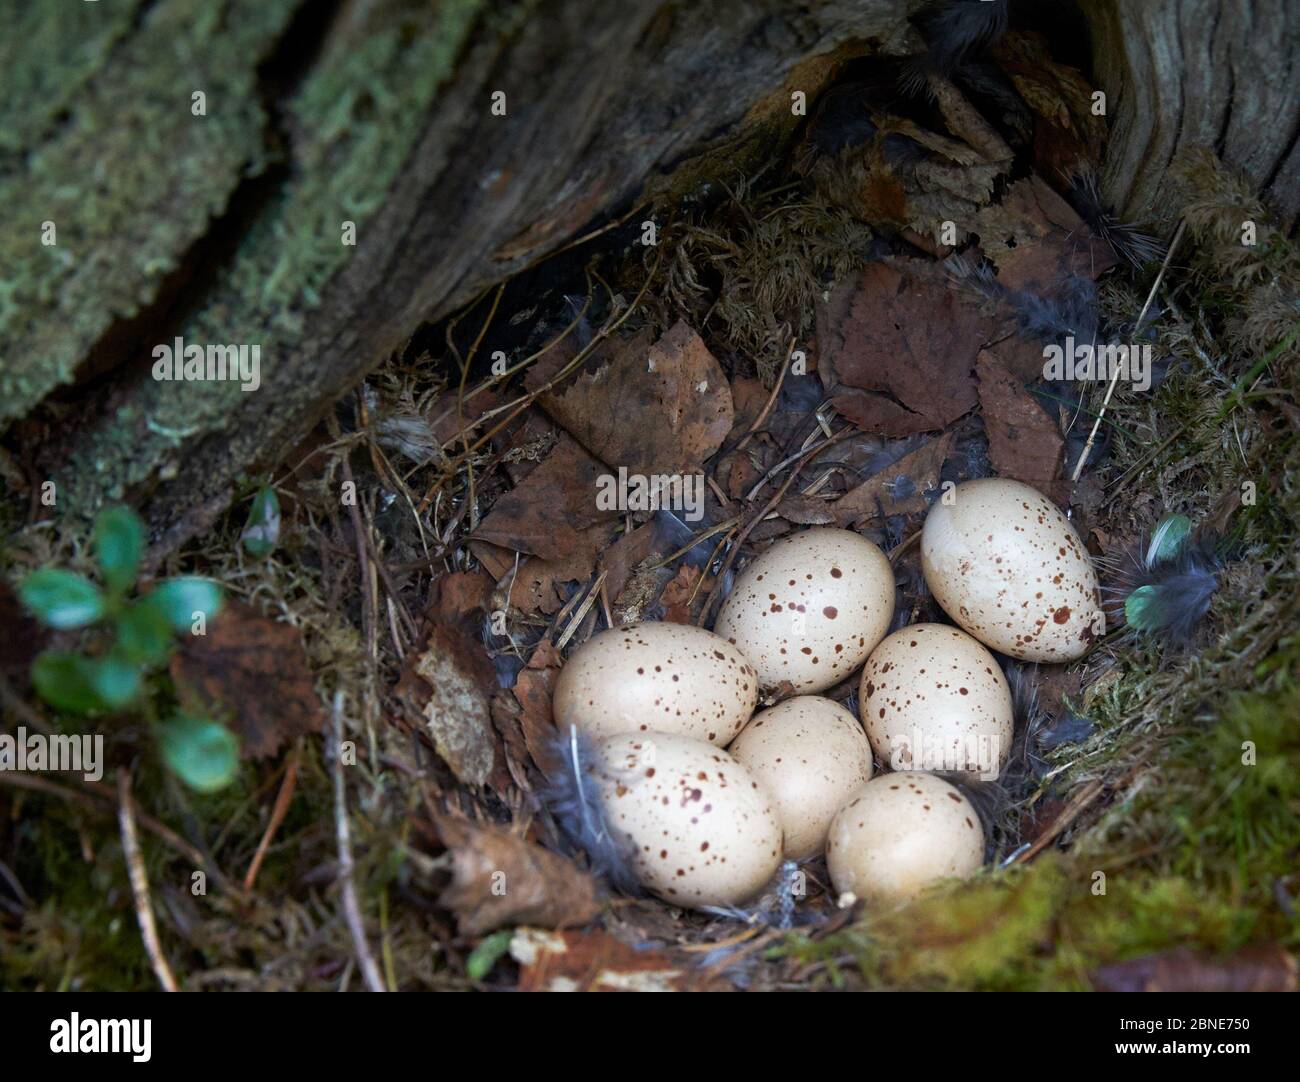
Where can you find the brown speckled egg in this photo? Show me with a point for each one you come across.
(810, 609)
(901, 833)
(932, 698)
(811, 755)
(670, 678)
(1008, 567)
(700, 828)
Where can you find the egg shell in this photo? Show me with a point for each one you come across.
(903, 832)
(811, 755)
(1009, 568)
(700, 828)
(670, 678)
(809, 609)
(932, 698)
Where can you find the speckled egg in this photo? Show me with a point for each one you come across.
(932, 698)
(1008, 567)
(700, 828)
(900, 834)
(808, 611)
(670, 678)
(811, 755)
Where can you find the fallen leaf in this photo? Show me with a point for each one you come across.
(459, 594)
(805, 511)
(549, 512)
(1036, 240)
(676, 598)
(445, 688)
(1252, 969)
(898, 489)
(654, 408)
(623, 555)
(500, 879)
(534, 689)
(255, 670)
(1024, 442)
(904, 347)
(594, 961)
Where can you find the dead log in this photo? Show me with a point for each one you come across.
(230, 225)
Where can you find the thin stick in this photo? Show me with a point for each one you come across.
(347, 887)
(1114, 376)
(771, 399)
(140, 884)
(282, 801)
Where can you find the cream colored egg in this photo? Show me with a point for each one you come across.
(811, 755)
(700, 828)
(1008, 567)
(902, 833)
(808, 611)
(932, 698)
(670, 678)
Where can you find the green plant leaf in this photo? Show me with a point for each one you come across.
(203, 753)
(178, 600)
(119, 546)
(486, 955)
(67, 682)
(144, 633)
(61, 599)
(116, 678)
(262, 531)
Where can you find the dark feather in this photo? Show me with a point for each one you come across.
(572, 796)
(1126, 239)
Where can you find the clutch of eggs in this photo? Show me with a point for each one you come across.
(1009, 568)
(807, 611)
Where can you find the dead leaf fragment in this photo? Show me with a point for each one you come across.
(899, 349)
(500, 879)
(655, 408)
(898, 489)
(255, 669)
(445, 689)
(595, 961)
(1024, 442)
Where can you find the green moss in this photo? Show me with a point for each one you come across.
(354, 121)
(130, 179)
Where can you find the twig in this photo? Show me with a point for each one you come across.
(282, 801)
(1082, 799)
(1114, 376)
(140, 884)
(771, 400)
(347, 887)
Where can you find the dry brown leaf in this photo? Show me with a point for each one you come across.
(623, 555)
(904, 347)
(597, 962)
(499, 879)
(805, 511)
(445, 688)
(1036, 240)
(254, 669)
(1024, 442)
(676, 598)
(883, 492)
(549, 513)
(1252, 969)
(534, 689)
(661, 408)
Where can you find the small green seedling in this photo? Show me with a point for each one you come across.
(262, 531)
(143, 629)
